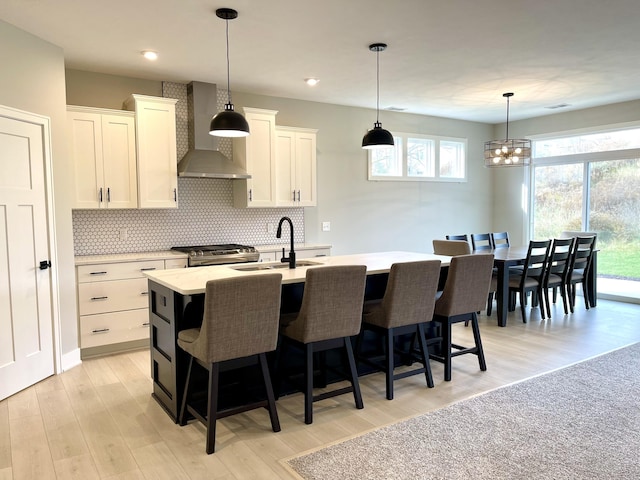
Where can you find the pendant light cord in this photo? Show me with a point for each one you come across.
(228, 67)
(507, 119)
(378, 86)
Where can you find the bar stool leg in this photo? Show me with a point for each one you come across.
(476, 337)
(212, 407)
(424, 349)
(271, 401)
(446, 341)
(389, 362)
(185, 395)
(308, 391)
(357, 396)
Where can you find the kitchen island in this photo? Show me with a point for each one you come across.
(176, 299)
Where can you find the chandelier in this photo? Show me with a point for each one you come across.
(508, 152)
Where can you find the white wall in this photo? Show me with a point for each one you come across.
(33, 80)
(372, 216)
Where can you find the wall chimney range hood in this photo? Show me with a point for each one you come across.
(204, 160)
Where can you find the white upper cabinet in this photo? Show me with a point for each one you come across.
(257, 154)
(102, 146)
(295, 167)
(156, 149)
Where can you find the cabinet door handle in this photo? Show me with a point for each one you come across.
(294, 195)
(251, 195)
(298, 195)
(108, 194)
(175, 194)
(100, 330)
(145, 324)
(99, 298)
(100, 195)
(144, 293)
(97, 273)
(147, 269)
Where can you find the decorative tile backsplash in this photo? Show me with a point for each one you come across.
(205, 213)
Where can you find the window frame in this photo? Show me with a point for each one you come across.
(404, 177)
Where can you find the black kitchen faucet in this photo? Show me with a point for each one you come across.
(292, 254)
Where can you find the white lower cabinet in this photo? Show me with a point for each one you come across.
(113, 300)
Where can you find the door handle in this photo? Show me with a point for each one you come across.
(45, 264)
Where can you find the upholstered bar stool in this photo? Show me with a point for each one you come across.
(407, 304)
(240, 322)
(465, 293)
(330, 314)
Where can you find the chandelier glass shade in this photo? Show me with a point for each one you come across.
(515, 152)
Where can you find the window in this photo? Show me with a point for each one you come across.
(420, 158)
(590, 182)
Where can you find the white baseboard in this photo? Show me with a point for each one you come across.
(70, 360)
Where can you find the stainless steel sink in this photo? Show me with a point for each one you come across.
(272, 266)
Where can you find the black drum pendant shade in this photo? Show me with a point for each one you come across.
(228, 123)
(377, 137)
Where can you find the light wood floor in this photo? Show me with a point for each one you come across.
(98, 420)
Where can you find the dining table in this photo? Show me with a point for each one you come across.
(505, 258)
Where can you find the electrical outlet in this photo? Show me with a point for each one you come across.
(123, 234)
(271, 227)
(326, 226)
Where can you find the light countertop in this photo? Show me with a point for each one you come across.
(128, 257)
(190, 281)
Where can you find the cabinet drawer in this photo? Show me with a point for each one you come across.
(103, 297)
(117, 271)
(175, 263)
(108, 328)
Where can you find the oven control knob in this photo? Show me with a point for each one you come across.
(200, 253)
(192, 253)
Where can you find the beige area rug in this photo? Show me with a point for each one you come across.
(579, 422)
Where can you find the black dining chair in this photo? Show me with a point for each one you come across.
(557, 273)
(531, 278)
(581, 260)
(500, 239)
(481, 241)
(464, 237)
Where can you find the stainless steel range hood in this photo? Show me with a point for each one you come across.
(204, 160)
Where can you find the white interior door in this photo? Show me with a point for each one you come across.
(26, 328)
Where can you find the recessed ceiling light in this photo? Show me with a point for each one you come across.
(311, 81)
(150, 54)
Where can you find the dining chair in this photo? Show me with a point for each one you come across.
(465, 293)
(464, 237)
(408, 303)
(556, 274)
(500, 239)
(531, 278)
(330, 314)
(481, 241)
(581, 260)
(451, 247)
(234, 326)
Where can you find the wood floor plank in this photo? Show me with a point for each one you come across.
(134, 426)
(106, 444)
(30, 454)
(80, 467)
(61, 425)
(5, 437)
(157, 461)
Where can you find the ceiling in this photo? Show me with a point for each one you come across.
(452, 58)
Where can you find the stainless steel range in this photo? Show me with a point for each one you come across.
(203, 255)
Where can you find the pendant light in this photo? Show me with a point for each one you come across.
(377, 137)
(228, 123)
(508, 152)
